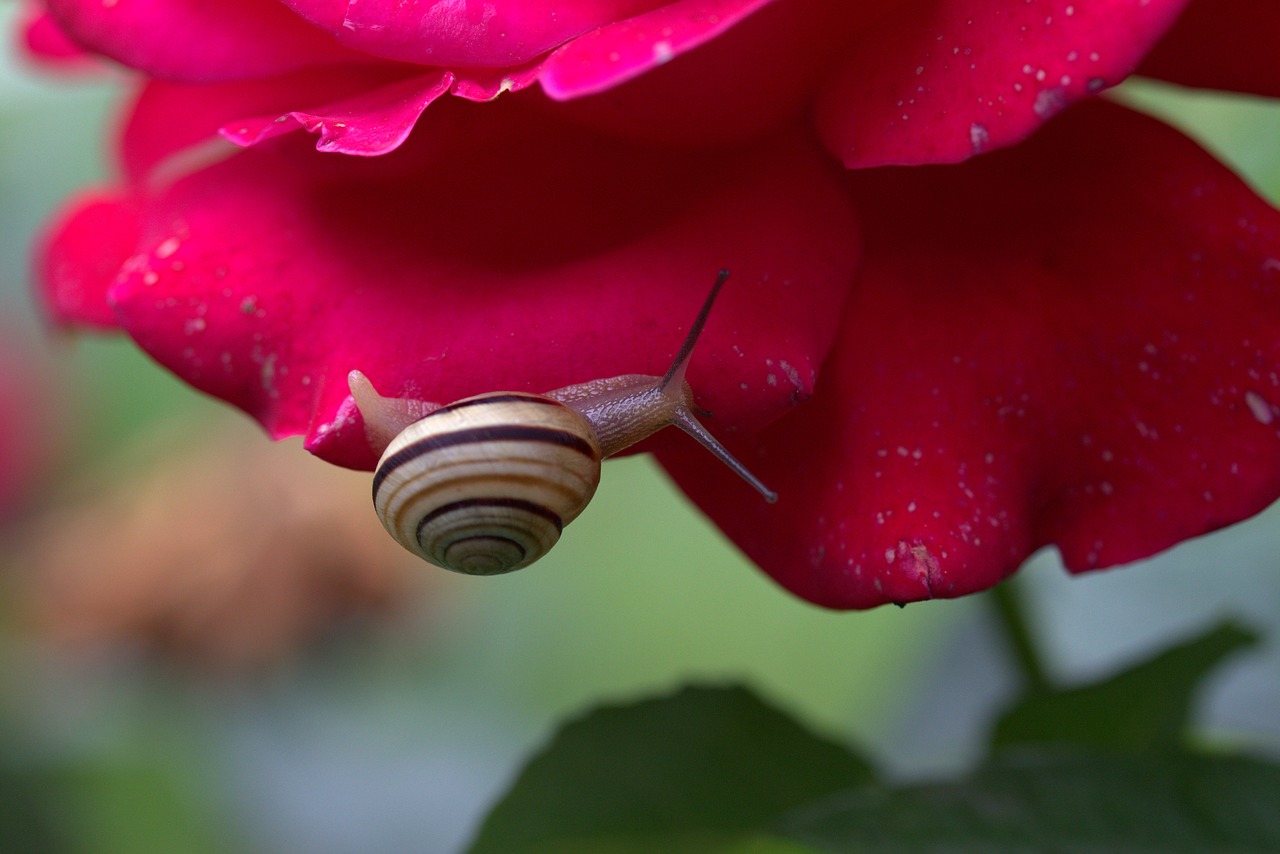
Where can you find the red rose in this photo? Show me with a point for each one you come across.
(1071, 339)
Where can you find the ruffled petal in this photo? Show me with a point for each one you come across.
(485, 35)
(192, 40)
(372, 122)
(940, 82)
(1072, 342)
(755, 76)
(1222, 44)
(364, 110)
(624, 48)
(500, 250)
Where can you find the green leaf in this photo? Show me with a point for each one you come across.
(686, 843)
(702, 764)
(1143, 707)
(1046, 799)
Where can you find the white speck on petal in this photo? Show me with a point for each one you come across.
(1260, 408)
(168, 247)
(979, 137)
(1049, 102)
(268, 376)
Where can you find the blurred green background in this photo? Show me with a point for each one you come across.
(397, 740)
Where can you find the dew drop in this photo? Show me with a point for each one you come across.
(979, 137)
(1050, 102)
(168, 247)
(1261, 410)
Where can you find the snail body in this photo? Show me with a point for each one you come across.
(485, 485)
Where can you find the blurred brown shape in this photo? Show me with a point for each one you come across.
(224, 552)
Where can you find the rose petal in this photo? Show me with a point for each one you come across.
(353, 109)
(375, 121)
(380, 113)
(84, 248)
(500, 250)
(1071, 342)
(627, 47)
(44, 39)
(940, 82)
(170, 119)
(193, 40)
(1222, 44)
(755, 67)
(361, 109)
(489, 35)
(724, 92)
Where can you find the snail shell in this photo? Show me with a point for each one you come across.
(486, 484)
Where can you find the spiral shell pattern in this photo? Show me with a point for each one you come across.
(485, 485)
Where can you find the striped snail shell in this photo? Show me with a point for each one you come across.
(486, 484)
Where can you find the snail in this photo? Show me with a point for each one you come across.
(485, 485)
